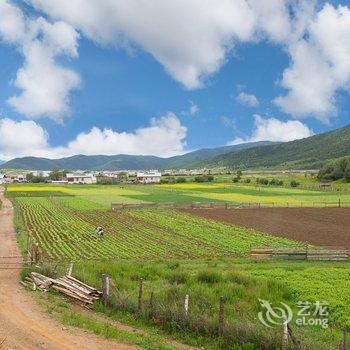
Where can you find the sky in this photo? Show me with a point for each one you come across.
(164, 77)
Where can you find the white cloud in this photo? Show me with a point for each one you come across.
(228, 122)
(192, 39)
(45, 84)
(189, 38)
(272, 129)
(192, 110)
(320, 65)
(19, 138)
(247, 99)
(165, 136)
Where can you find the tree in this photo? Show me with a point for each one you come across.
(347, 173)
(29, 177)
(122, 177)
(55, 175)
(294, 183)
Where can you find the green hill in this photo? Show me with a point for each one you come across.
(308, 153)
(125, 162)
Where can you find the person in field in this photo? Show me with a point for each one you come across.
(99, 231)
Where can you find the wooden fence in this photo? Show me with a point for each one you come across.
(307, 253)
(211, 205)
(229, 205)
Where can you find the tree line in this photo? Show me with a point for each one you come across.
(336, 170)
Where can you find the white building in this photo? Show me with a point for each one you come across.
(42, 173)
(14, 178)
(148, 177)
(2, 178)
(80, 178)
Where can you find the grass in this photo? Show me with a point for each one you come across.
(178, 254)
(241, 282)
(103, 196)
(60, 309)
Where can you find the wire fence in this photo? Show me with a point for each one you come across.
(232, 205)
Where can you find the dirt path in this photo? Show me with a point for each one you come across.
(319, 226)
(22, 324)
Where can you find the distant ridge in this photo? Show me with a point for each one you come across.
(126, 162)
(308, 153)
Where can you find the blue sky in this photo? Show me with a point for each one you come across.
(77, 85)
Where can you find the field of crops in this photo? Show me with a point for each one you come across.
(177, 253)
(186, 193)
(64, 227)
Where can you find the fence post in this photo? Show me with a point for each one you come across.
(186, 304)
(151, 303)
(70, 269)
(339, 203)
(29, 243)
(221, 316)
(105, 289)
(344, 345)
(285, 332)
(139, 303)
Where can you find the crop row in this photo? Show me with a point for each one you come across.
(62, 230)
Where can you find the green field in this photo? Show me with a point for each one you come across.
(176, 254)
(65, 228)
(187, 193)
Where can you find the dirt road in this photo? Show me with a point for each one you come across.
(319, 226)
(22, 324)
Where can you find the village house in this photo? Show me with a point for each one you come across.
(2, 178)
(13, 178)
(81, 178)
(148, 177)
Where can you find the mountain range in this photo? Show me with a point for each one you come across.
(126, 162)
(307, 153)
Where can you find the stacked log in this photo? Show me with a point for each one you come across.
(261, 253)
(68, 285)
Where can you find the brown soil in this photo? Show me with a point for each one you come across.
(319, 226)
(22, 324)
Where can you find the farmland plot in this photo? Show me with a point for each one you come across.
(65, 228)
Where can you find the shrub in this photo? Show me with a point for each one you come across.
(181, 180)
(294, 183)
(173, 265)
(276, 182)
(347, 173)
(247, 181)
(338, 169)
(178, 278)
(262, 181)
(235, 179)
(171, 180)
(204, 178)
(199, 179)
(209, 276)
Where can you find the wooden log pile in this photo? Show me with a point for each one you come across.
(68, 285)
